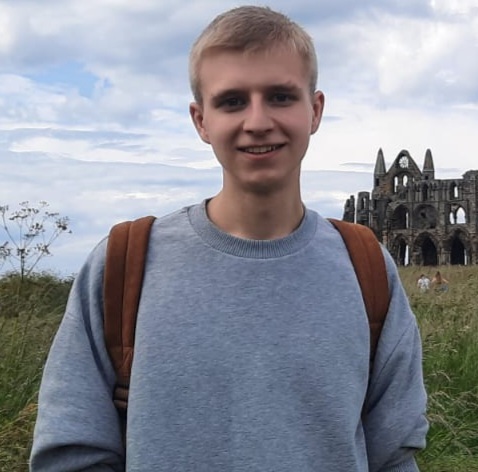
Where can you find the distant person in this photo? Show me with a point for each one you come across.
(423, 283)
(439, 283)
(252, 347)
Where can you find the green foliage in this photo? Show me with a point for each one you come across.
(448, 324)
(449, 328)
(28, 320)
(30, 232)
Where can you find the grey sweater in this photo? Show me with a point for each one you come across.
(250, 356)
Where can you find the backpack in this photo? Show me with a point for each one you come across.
(125, 259)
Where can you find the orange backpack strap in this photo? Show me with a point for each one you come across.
(369, 264)
(123, 278)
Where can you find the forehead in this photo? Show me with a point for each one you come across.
(226, 69)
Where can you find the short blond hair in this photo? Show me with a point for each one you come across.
(251, 29)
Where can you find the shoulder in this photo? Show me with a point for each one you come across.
(92, 269)
(176, 221)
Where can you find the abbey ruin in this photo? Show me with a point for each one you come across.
(420, 219)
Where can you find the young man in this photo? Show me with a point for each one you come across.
(252, 340)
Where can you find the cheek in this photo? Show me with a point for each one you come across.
(218, 132)
(300, 123)
(302, 129)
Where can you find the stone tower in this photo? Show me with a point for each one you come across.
(421, 220)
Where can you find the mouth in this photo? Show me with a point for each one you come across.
(258, 150)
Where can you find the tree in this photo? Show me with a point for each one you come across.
(30, 232)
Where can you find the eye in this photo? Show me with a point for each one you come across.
(231, 103)
(282, 98)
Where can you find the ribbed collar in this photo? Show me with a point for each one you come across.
(251, 248)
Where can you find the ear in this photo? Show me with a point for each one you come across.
(197, 115)
(318, 101)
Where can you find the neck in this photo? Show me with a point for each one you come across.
(256, 217)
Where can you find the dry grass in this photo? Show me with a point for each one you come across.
(15, 440)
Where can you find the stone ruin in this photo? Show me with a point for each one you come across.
(421, 220)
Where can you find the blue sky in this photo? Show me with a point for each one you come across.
(68, 74)
(94, 103)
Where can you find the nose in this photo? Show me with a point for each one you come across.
(258, 117)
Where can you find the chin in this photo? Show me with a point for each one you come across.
(265, 187)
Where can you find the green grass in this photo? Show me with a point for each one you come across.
(449, 328)
(30, 313)
(29, 316)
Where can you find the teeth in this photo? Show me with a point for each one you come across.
(260, 149)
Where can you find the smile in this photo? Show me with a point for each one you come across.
(261, 149)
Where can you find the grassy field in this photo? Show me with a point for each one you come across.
(29, 316)
(449, 328)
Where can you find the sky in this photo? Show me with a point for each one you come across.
(94, 104)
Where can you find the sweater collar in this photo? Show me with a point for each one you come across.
(251, 248)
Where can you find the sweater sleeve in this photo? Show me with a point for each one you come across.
(77, 426)
(395, 424)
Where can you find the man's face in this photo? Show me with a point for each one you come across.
(257, 114)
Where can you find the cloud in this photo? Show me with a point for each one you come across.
(94, 102)
(95, 195)
(428, 61)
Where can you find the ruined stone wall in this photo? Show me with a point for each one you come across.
(420, 219)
